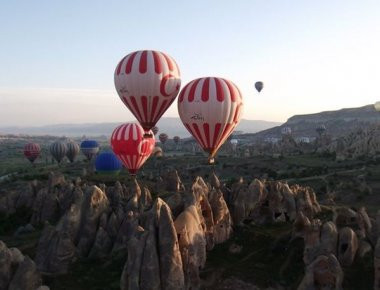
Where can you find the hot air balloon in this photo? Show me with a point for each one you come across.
(163, 138)
(320, 129)
(108, 163)
(259, 86)
(176, 139)
(89, 148)
(147, 82)
(58, 150)
(234, 143)
(72, 150)
(129, 143)
(210, 108)
(377, 106)
(32, 151)
(155, 130)
(286, 131)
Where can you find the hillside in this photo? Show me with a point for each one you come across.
(338, 123)
(172, 126)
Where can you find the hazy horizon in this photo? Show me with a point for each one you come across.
(58, 59)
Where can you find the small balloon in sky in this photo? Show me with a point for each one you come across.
(259, 86)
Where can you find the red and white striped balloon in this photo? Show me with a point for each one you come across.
(147, 82)
(210, 108)
(130, 145)
(32, 151)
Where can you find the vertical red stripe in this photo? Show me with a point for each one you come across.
(168, 61)
(199, 135)
(157, 62)
(237, 113)
(232, 91)
(206, 89)
(206, 130)
(216, 135)
(219, 90)
(128, 67)
(135, 109)
(120, 65)
(143, 62)
(192, 90)
(193, 133)
(227, 131)
(154, 108)
(161, 111)
(144, 103)
(122, 135)
(182, 94)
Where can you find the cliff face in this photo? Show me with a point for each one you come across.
(338, 123)
(362, 114)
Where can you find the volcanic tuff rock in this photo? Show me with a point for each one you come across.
(269, 201)
(359, 142)
(17, 271)
(162, 252)
(324, 273)
(166, 240)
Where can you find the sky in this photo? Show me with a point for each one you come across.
(57, 58)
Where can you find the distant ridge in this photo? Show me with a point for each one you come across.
(171, 126)
(338, 123)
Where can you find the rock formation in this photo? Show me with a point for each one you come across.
(17, 271)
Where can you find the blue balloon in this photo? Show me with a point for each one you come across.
(89, 148)
(107, 162)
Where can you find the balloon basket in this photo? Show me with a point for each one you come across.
(148, 135)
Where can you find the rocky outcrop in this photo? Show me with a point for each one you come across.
(192, 244)
(94, 205)
(159, 249)
(271, 201)
(75, 234)
(17, 271)
(347, 247)
(172, 182)
(324, 273)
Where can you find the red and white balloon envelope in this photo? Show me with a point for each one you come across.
(131, 146)
(32, 151)
(147, 82)
(210, 108)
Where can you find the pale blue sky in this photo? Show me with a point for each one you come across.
(57, 58)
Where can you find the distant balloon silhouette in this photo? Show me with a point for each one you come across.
(89, 148)
(107, 162)
(176, 139)
(163, 138)
(234, 143)
(129, 143)
(155, 130)
(72, 150)
(58, 150)
(32, 151)
(259, 86)
(147, 82)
